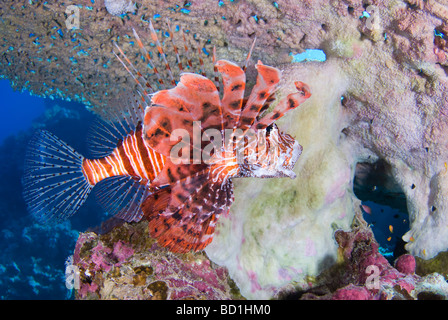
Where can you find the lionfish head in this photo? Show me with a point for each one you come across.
(274, 157)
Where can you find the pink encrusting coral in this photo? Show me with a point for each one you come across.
(351, 292)
(370, 269)
(367, 275)
(113, 267)
(122, 252)
(405, 264)
(100, 257)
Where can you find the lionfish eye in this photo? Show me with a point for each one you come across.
(270, 127)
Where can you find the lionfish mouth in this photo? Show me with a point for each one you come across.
(295, 154)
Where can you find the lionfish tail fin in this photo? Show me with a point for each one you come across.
(54, 182)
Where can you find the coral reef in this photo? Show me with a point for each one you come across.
(126, 264)
(381, 96)
(364, 274)
(437, 264)
(402, 119)
(381, 104)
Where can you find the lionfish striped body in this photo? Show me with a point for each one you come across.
(132, 157)
(138, 171)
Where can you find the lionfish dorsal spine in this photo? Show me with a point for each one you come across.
(162, 82)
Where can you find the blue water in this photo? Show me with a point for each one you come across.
(18, 110)
(388, 226)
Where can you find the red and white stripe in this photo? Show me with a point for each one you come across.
(132, 157)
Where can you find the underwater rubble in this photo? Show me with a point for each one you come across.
(380, 96)
(363, 273)
(126, 264)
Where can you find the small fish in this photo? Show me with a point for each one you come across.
(135, 169)
(391, 228)
(390, 238)
(366, 209)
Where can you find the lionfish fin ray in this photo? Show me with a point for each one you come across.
(234, 83)
(292, 101)
(122, 196)
(155, 38)
(249, 54)
(195, 100)
(156, 202)
(141, 82)
(192, 208)
(116, 122)
(267, 80)
(175, 48)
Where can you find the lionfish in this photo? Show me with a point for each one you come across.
(136, 173)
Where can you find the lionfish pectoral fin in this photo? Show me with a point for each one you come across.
(122, 196)
(182, 113)
(182, 216)
(234, 84)
(267, 80)
(176, 119)
(165, 128)
(54, 183)
(194, 94)
(156, 202)
(291, 102)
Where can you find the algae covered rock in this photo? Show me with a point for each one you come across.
(126, 263)
(280, 231)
